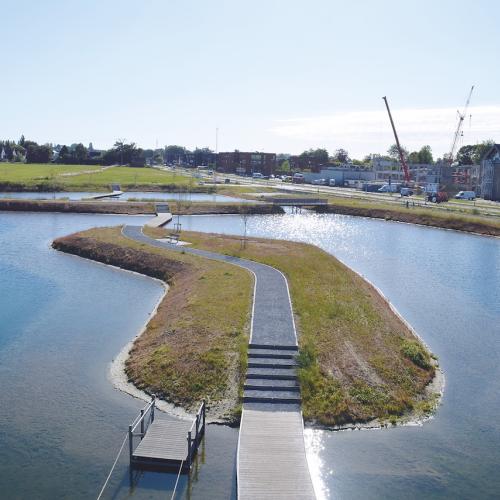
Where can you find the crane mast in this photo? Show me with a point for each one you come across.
(400, 151)
(461, 118)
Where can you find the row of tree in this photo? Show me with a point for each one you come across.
(124, 153)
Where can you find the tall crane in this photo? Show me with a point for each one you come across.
(400, 151)
(461, 118)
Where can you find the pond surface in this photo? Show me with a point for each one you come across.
(63, 319)
(447, 285)
(128, 195)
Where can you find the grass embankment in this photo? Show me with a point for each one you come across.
(358, 360)
(134, 207)
(52, 177)
(414, 215)
(194, 348)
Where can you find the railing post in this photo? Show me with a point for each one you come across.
(142, 423)
(130, 443)
(203, 427)
(189, 449)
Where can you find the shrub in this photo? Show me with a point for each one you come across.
(416, 353)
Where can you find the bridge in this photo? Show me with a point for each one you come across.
(299, 202)
(271, 459)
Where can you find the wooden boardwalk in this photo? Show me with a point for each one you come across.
(271, 457)
(272, 462)
(165, 444)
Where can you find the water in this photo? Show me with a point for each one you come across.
(137, 195)
(62, 320)
(447, 285)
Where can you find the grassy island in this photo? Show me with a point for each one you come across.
(358, 361)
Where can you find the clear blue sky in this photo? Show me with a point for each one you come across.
(278, 76)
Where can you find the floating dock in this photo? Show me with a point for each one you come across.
(165, 444)
(163, 216)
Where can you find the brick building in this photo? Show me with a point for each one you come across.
(246, 163)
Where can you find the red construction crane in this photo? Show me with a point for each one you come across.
(461, 118)
(400, 151)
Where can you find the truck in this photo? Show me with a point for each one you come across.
(433, 194)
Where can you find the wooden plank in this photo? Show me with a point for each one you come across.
(165, 440)
(272, 459)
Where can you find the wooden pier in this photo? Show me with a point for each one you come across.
(299, 202)
(165, 444)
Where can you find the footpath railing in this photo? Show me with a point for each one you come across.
(196, 433)
(144, 420)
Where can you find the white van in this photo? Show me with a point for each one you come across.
(331, 182)
(465, 195)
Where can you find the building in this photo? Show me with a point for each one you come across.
(245, 163)
(341, 175)
(490, 174)
(306, 162)
(386, 169)
(466, 177)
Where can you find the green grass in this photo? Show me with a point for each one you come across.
(129, 177)
(35, 173)
(195, 347)
(353, 361)
(95, 178)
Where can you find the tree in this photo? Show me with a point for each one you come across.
(481, 150)
(465, 155)
(36, 153)
(285, 166)
(79, 153)
(425, 155)
(341, 155)
(174, 153)
(393, 152)
(472, 154)
(64, 155)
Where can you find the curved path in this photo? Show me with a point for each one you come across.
(272, 461)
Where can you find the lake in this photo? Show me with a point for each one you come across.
(64, 319)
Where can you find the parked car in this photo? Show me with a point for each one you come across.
(405, 191)
(227, 181)
(257, 175)
(331, 182)
(319, 182)
(298, 178)
(388, 188)
(465, 195)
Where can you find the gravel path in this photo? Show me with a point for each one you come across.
(272, 322)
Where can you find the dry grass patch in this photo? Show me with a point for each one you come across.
(194, 348)
(358, 361)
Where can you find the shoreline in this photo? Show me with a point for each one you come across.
(117, 376)
(452, 222)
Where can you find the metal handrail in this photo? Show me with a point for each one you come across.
(143, 413)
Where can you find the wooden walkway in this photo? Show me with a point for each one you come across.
(272, 460)
(271, 456)
(165, 444)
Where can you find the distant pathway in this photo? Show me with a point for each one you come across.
(272, 462)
